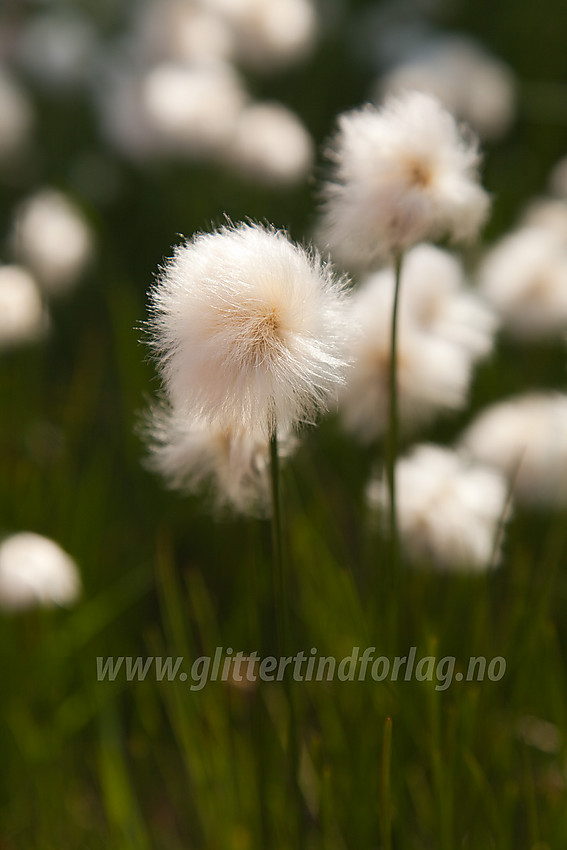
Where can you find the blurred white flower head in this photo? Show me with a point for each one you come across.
(473, 85)
(16, 118)
(524, 277)
(192, 455)
(193, 109)
(36, 571)
(442, 331)
(526, 438)
(57, 49)
(52, 238)
(123, 113)
(435, 294)
(450, 513)
(269, 34)
(271, 145)
(22, 314)
(400, 174)
(249, 330)
(181, 31)
(547, 213)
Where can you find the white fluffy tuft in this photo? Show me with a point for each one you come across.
(36, 571)
(401, 174)
(526, 439)
(449, 511)
(193, 456)
(444, 328)
(524, 277)
(249, 330)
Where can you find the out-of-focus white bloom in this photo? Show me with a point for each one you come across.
(547, 213)
(526, 438)
(524, 277)
(249, 330)
(449, 512)
(434, 294)
(538, 733)
(269, 33)
(191, 454)
(22, 315)
(16, 118)
(52, 238)
(471, 84)
(182, 31)
(433, 371)
(193, 110)
(271, 144)
(57, 49)
(123, 114)
(401, 174)
(36, 571)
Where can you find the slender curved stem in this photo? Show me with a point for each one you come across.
(393, 420)
(280, 589)
(281, 600)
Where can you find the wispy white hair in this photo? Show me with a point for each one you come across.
(249, 330)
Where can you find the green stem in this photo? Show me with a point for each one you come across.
(386, 820)
(393, 425)
(281, 599)
(280, 589)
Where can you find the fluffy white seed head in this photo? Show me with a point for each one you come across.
(249, 330)
(193, 456)
(271, 144)
(433, 370)
(401, 174)
(57, 49)
(449, 512)
(193, 110)
(36, 571)
(547, 213)
(526, 438)
(524, 277)
(52, 238)
(181, 31)
(269, 34)
(435, 294)
(471, 84)
(22, 314)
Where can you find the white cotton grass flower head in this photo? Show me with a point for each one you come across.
(400, 175)
(249, 330)
(193, 456)
(525, 438)
(193, 109)
(22, 314)
(271, 145)
(547, 213)
(473, 85)
(433, 371)
(122, 111)
(524, 278)
(181, 31)
(16, 118)
(435, 294)
(35, 571)
(450, 512)
(56, 49)
(269, 34)
(52, 238)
